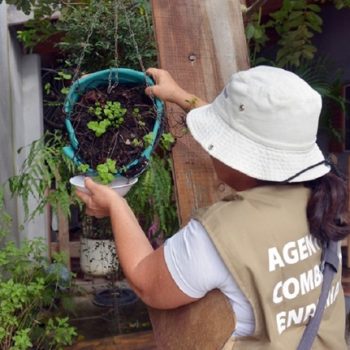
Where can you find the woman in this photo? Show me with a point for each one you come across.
(262, 248)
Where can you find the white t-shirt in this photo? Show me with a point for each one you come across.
(197, 268)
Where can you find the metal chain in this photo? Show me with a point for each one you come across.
(132, 35)
(116, 58)
(118, 4)
(139, 57)
(86, 43)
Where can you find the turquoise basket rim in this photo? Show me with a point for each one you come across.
(99, 78)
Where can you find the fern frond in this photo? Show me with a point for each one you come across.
(45, 168)
(152, 198)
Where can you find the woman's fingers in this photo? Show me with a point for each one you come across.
(153, 72)
(85, 197)
(96, 213)
(91, 185)
(149, 91)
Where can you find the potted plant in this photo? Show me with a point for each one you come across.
(152, 197)
(113, 128)
(98, 255)
(113, 125)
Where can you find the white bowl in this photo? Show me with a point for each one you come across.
(121, 184)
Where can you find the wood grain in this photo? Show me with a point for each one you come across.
(63, 236)
(201, 43)
(134, 341)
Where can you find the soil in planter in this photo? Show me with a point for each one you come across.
(122, 144)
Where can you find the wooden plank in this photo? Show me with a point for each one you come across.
(74, 248)
(133, 341)
(347, 239)
(49, 229)
(201, 43)
(63, 235)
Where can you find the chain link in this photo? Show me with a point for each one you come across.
(132, 35)
(94, 22)
(117, 5)
(139, 57)
(116, 58)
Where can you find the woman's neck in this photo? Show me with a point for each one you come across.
(234, 178)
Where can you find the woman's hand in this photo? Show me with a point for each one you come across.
(167, 89)
(144, 268)
(99, 200)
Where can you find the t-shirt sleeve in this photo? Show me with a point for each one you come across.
(193, 261)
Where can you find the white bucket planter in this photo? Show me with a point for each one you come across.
(98, 257)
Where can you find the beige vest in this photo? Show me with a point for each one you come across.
(262, 237)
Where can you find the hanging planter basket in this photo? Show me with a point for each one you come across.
(129, 139)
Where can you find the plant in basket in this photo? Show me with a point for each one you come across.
(113, 125)
(113, 128)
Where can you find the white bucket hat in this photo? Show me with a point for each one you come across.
(263, 124)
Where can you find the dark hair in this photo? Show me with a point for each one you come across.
(327, 209)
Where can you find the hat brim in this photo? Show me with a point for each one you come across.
(255, 160)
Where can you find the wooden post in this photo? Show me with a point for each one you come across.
(201, 43)
(347, 239)
(63, 236)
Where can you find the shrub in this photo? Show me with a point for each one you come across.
(32, 292)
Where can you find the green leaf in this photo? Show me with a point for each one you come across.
(314, 7)
(99, 127)
(111, 165)
(250, 31)
(64, 91)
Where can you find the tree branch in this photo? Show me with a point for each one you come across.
(252, 8)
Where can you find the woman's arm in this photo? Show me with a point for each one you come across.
(144, 268)
(167, 89)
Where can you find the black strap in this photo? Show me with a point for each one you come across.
(329, 162)
(330, 263)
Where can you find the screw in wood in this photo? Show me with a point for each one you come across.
(192, 57)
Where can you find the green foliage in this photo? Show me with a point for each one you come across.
(114, 111)
(63, 76)
(325, 78)
(95, 35)
(111, 114)
(136, 113)
(99, 128)
(339, 4)
(23, 5)
(5, 218)
(59, 330)
(36, 35)
(45, 7)
(41, 28)
(136, 142)
(167, 140)
(45, 168)
(152, 199)
(100, 16)
(148, 139)
(295, 24)
(106, 171)
(83, 168)
(256, 34)
(31, 293)
(91, 29)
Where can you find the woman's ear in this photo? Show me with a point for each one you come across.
(233, 177)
